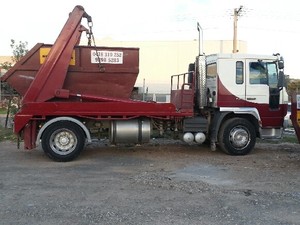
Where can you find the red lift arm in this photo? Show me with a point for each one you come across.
(50, 78)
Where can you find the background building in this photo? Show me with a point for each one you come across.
(161, 59)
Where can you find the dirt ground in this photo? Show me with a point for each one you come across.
(158, 183)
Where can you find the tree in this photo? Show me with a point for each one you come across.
(19, 50)
(6, 65)
(294, 85)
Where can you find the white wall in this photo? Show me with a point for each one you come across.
(161, 59)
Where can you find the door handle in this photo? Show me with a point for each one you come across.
(251, 98)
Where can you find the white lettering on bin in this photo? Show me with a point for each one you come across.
(108, 57)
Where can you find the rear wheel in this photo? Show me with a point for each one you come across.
(237, 136)
(63, 141)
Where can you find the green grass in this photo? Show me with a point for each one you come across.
(287, 138)
(7, 134)
(3, 111)
(290, 138)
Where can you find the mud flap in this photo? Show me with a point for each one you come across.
(29, 135)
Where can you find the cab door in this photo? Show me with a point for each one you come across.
(231, 83)
(262, 91)
(257, 88)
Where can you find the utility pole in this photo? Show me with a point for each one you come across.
(236, 14)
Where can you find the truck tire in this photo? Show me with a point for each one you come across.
(63, 141)
(237, 136)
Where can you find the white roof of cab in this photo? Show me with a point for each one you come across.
(241, 56)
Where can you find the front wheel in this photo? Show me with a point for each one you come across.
(237, 136)
(63, 141)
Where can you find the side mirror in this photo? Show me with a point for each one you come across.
(281, 80)
(281, 63)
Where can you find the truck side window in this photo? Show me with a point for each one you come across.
(272, 75)
(258, 73)
(211, 70)
(239, 72)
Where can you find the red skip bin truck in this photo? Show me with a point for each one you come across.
(71, 93)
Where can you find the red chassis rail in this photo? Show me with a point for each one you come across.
(26, 120)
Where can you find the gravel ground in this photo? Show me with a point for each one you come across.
(164, 182)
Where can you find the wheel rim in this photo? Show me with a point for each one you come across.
(239, 137)
(63, 141)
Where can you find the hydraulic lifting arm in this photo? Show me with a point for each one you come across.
(50, 77)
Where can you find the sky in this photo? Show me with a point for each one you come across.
(268, 26)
